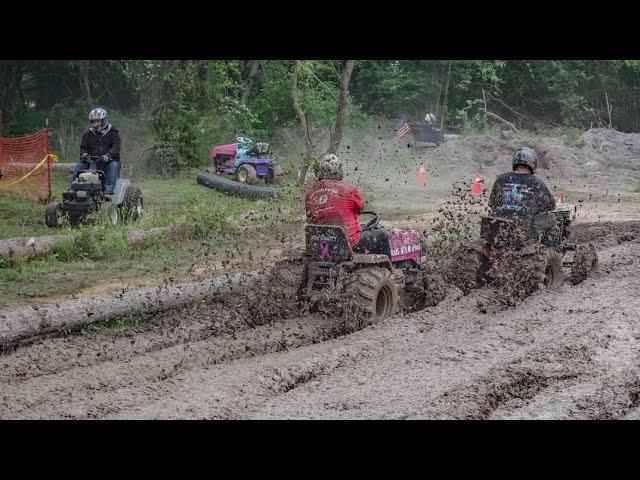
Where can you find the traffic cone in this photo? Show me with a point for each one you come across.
(476, 185)
(422, 174)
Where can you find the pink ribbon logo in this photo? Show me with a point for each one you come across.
(324, 251)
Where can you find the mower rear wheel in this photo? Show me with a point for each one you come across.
(53, 215)
(246, 174)
(275, 175)
(553, 273)
(132, 205)
(585, 262)
(373, 292)
(468, 269)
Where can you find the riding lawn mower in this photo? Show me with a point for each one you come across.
(85, 198)
(376, 283)
(540, 244)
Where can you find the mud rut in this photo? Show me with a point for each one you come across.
(566, 354)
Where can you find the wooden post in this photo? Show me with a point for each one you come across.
(606, 97)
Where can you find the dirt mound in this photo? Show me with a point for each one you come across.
(587, 162)
(605, 234)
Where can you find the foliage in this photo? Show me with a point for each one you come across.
(192, 104)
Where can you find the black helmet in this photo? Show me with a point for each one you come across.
(526, 156)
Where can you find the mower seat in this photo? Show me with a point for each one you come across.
(327, 243)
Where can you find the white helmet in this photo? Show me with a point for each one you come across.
(98, 118)
(329, 167)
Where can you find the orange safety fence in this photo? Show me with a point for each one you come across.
(26, 165)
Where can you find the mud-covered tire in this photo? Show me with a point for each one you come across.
(246, 174)
(133, 204)
(585, 263)
(521, 273)
(415, 298)
(275, 175)
(468, 269)
(75, 220)
(373, 293)
(553, 275)
(53, 215)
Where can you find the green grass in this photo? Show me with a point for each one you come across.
(99, 252)
(636, 188)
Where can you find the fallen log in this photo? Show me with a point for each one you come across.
(25, 323)
(29, 246)
(39, 246)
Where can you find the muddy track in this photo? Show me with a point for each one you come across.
(566, 354)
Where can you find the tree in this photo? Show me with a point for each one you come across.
(336, 135)
(253, 70)
(304, 125)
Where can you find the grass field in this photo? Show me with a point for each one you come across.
(99, 253)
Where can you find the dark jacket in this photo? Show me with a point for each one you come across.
(517, 194)
(98, 144)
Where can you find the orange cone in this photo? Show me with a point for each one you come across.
(476, 186)
(422, 174)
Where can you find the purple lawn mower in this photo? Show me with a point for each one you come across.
(246, 161)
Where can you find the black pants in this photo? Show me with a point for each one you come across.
(373, 241)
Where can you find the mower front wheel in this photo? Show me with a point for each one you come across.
(53, 215)
(246, 174)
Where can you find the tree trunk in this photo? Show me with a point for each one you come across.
(308, 157)
(336, 136)
(446, 93)
(83, 78)
(248, 87)
(11, 90)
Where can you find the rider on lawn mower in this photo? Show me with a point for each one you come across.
(331, 201)
(521, 196)
(101, 140)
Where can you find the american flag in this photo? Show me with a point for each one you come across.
(403, 129)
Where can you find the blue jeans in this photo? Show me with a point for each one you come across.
(111, 171)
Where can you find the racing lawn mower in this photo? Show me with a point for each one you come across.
(539, 245)
(246, 161)
(85, 198)
(377, 283)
